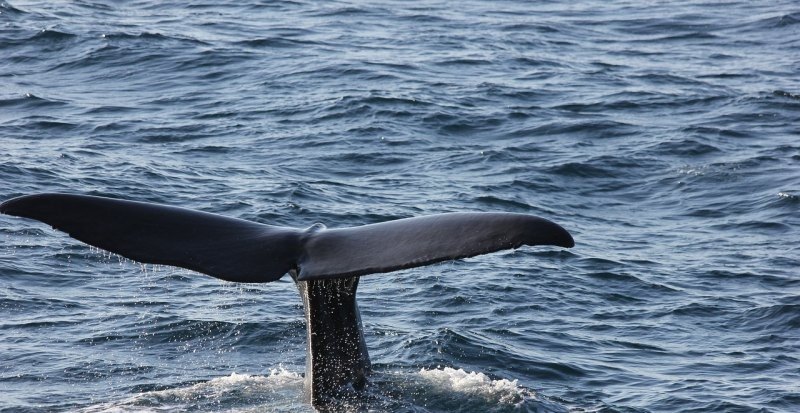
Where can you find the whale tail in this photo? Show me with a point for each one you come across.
(325, 263)
(245, 251)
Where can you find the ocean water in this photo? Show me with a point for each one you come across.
(664, 135)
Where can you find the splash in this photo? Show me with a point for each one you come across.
(280, 390)
(278, 379)
(476, 384)
(455, 390)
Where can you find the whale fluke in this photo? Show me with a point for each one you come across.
(243, 251)
(325, 263)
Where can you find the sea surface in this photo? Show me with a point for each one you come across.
(664, 135)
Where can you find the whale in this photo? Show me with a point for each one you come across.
(325, 263)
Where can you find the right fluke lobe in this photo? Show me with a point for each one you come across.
(413, 242)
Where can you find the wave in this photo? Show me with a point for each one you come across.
(31, 101)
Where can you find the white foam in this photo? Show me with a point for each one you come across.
(280, 390)
(475, 384)
(277, 379)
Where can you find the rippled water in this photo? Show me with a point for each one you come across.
(664, 136)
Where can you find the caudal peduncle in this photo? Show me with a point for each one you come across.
(337, 358)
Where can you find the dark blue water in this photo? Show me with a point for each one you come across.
(664, 136)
